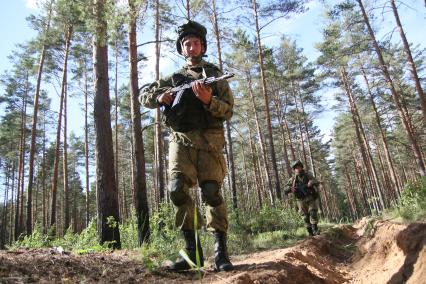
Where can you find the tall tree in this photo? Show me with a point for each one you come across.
(107, 195)
(397, 100)
(230, 151)
(411, 63)
(159, 147)
(139, 182)
(29, 223)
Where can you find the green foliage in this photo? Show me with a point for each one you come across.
(270, 219)
(271, 227)
(165, 238)
(36, 240)
(412, 205)
(85, 242)
(129, 233)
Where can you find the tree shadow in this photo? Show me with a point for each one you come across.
(411, 241)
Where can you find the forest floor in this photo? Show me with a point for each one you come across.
(367, 252)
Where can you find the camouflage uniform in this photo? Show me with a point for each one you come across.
(308, 206)
(196, 144)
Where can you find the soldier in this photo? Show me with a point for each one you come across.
(196, 144)
(303, 185)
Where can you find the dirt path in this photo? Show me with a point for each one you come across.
(383, 252)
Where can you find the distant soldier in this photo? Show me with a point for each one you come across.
(196, 143)
(304, 187)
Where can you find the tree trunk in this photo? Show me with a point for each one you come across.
(58, 133)
(382, 134)
(410, 59)
(158, 129)
(367, 191)
(280, 115)
(256, 171)
(65, 164)
(117, 183)
(262, 142)
(11, 204)
(230, 150)
(364, 147)
(107, 199)
(34, 129)
(308, 139)
(290, 141)
(395, 96)
(5, 208)
(21, 163)
(86, 145)
(43, 165)
(265, 96)
(299, 124)
(188, 10)
(141, 201)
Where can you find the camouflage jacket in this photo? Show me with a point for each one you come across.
(219, 109)
(301, 179)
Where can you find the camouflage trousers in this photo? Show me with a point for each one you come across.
(207, 169)
(308, 208)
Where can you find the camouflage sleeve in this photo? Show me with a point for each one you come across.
(313, 179)
(222, 104)
(289, 184)
(149, 97)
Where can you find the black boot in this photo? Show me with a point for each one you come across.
(221, 258)
(191, 249)
(315, 229)
(310, 231)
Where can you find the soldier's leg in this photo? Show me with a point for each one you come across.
(179, 195)
(211, 171)
(182, 178)
(313, 214)
(304, 211)
(216, 213)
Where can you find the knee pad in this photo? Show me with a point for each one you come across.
(314, 216)
(177, 192)
(210, 193)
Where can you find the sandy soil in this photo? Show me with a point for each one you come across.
(382, 252)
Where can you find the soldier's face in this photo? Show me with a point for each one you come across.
(298, 170)
(192, 47)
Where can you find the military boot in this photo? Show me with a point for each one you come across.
(310, 231)
(315, 229)
(191, 249)
(221, 258)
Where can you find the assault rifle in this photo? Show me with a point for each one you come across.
(302, 191)
(179, 90)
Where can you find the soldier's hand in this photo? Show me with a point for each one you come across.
(165, 98)
(202, 92)
(310, 183)
(293, 189)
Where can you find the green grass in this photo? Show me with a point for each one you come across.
(268, 228)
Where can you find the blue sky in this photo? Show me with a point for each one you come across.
(13, 28)
(306, 29)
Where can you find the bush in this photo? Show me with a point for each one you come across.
(36, 240)
(412, 204)
(269, 219)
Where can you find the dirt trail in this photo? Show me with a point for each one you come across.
(380, 252)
